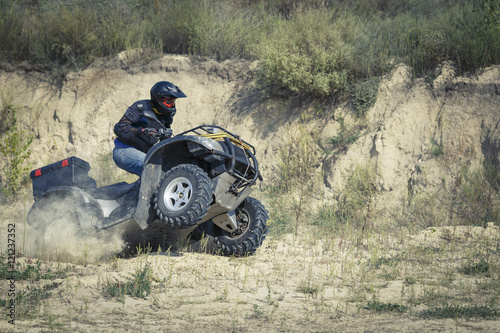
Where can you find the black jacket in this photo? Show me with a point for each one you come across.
(129, 127)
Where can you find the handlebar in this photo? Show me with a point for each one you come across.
(163, 133)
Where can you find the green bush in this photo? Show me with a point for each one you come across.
(471, 42)
(472, 199)
(365, 95)
(309, 53)
(436, 149)
(212, 28)
(458, 33)
(475, 268)
(220, 32)
(424, 210)
(325, 217)
(70, 33)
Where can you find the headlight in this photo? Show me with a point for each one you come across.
(212, 144)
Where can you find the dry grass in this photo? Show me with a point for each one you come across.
(312, 282)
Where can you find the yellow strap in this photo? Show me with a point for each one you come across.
(222, 135)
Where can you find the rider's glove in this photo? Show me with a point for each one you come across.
(168, 132)
(147, 131)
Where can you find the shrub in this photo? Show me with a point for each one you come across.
(222, 33)
(14, 146)
(423, 210)
(71, 33)
(471, 200)
(458, 33)
(325, 217)
(365, 95)
(436, 149)
(308, 54)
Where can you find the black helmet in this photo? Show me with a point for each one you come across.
(162, 95)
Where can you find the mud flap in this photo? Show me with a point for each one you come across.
(151, 176)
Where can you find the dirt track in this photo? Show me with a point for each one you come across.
(291, 285)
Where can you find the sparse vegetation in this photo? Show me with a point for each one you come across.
(462, 312)
(475, 196)
(29, 272)
(313, 274)
(14, 147)
(346, 135)
(296, 182)
(138, 286)
(472, 199)
(436, 149)
(386, 307)
(475, 268)
(357, 201)
(39, 285)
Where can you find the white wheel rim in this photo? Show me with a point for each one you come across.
(178, 193)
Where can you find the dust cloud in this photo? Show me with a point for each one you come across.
(54, 233)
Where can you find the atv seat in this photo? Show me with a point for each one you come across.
(114, 191)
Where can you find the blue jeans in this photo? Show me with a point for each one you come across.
(129, 159)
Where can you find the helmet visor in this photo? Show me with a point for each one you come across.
(168, 102)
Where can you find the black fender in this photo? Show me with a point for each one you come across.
(161, 158)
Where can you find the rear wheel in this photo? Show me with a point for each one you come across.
(54, 207)
(184, 196)
(252, 230)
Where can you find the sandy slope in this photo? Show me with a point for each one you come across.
(313, 283)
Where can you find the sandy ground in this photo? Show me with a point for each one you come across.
(292, 284)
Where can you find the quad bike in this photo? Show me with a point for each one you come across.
(194, 184)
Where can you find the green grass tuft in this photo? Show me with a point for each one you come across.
(457, 311)
(138, 286)
(386, 307)
(475, 268)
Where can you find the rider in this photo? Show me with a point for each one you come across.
(136, 134)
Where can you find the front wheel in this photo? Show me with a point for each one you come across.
(252, 220)
(184, 196)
